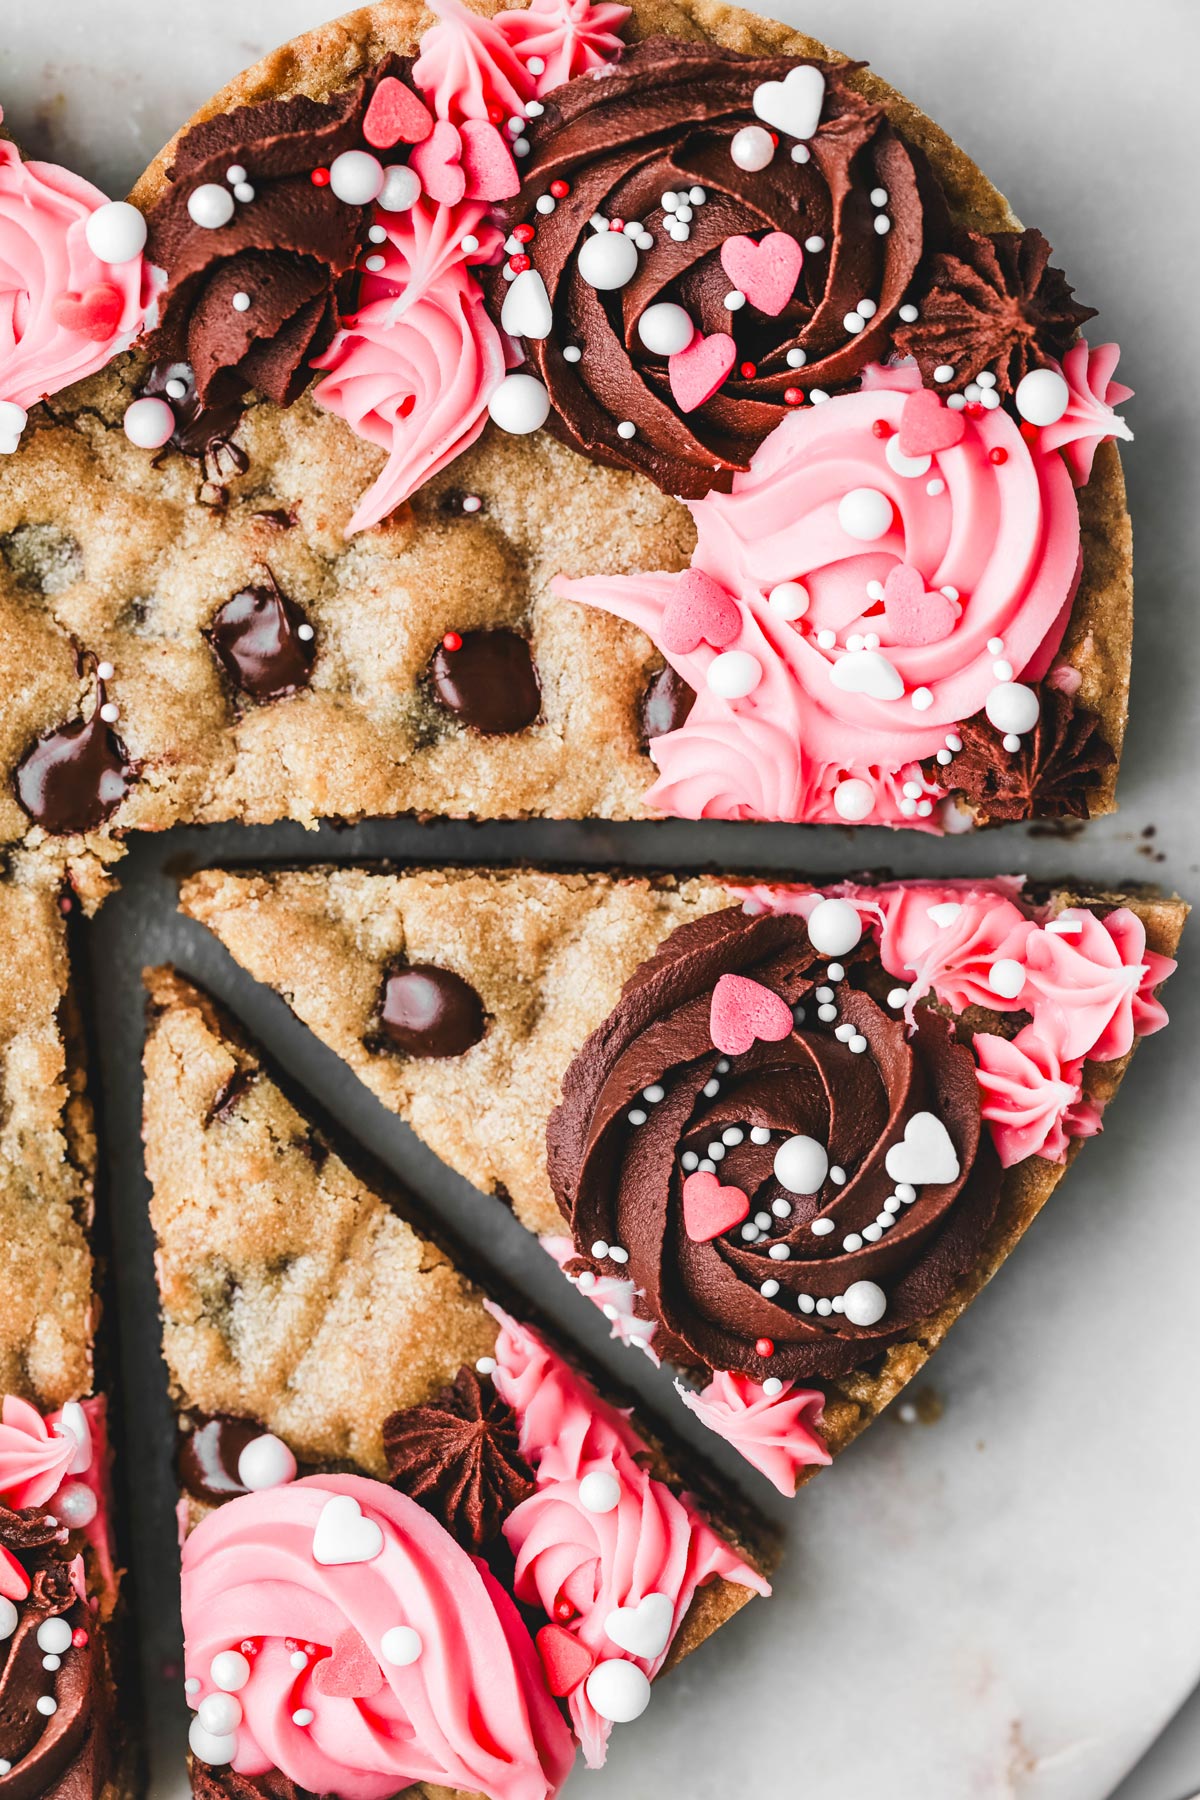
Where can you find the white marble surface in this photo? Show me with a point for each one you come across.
(1005, 1603)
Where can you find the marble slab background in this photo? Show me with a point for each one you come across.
(1005, 1603)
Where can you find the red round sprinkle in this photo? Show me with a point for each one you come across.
(749, 370)
(320, 177)
(764, 1347)
(560, 189)
(79, 1637)
(793, 396)
(1029, 431)
(998, 455)
(524, 234)
(973, 409)
(882, 428)
(452, 641)
(519, 264)
(775, 139)
(496, 114)
(563, 1610)
(616, 224)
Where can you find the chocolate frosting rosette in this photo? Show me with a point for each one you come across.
(772, 221)
(790, 1177)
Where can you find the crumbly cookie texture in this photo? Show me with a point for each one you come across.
(130, 556)
(548, 955)
(47, 1157)
(293, 1290)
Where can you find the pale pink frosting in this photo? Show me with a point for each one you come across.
(572, 37)
(1092, 989)
(33, 1458)
(1033, 1102)
(778, 1434)
(468, 63)
(414, 368)
(928, 945)
(1004, 536)
(45, 260)
(1089, 420)
(613, 1294)
(472, 1712)
(651, 1542)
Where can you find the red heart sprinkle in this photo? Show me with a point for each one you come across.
(437, 163)
(696, 373)
(742, 1010)
(766, 271)
(699, 611)
(487, 162)
(395, 116)
(927, 425)
(96, 313)
(710, 1209)
(351, 1672)
(14, 1582)
(914, 615)
(565, 1658)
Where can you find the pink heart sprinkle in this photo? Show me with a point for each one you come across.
(395, 116)
(350, 1672)
(565, 1658)
(710, 1209)
(766, 271)
(437, 163)
(914, 615)
(742, 1010)
(699, 611)
(95, 314)
(696, 373)
(487, 161)
(927, 425)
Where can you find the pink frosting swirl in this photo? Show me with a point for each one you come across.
(571, 37)
(469, 63)
(1089, 420)
(1032, 1101)
(33, 1459)
(776, 1433)
(911, 564)
(63, 313)
(471, 1711)
(569, 1556)
(949, 938)
(414, 368)
(1091, 983)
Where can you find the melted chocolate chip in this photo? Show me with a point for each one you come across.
(666, 703)
(208, 1457)
(256, 636)
(204, 433)
(74, 776)
(427, 1011)
(489, 683)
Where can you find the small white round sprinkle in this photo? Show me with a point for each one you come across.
(47, 1705)
(733, 674)
(1002, 669)
(935, 487)
(235, 173)
(689, 1160)
(402, 189)
(304, 1715)
(852, 1242)
(892, 1204)
(906, 1192)
(790, 599)
(599, 1492)
(956, 402)
(220, 1713)
(536, 65)
(769, 1289)
(909, 314)
(836, 972)
(654, 1093)
(697, 196)
(944, 372)
(733, 1134)
(636, 1116)
(853, 322)
(607, 261)
(618, 1253)
(266, 1461)
(54, 1636)
(148, 422)
(865, 514)
(1042, 397)
(230, 1671)
(210, 206)
(1006, 977)
(751, 148)
(853, 799)
(1011, 742)
(865, 1303)
(826, 638)
(626, 429)
(897, 997)
(683, 214)
(760, 1134)
(375, 263)
(796, 359)
(485, 1365)
(76, 1505)
(750, 1233)
(115, 232)
(665, 328)
(9, 1618)
(243, 192)
(644, 240)
(827, 1013)
(872, 1233)
(805, 1302)
(779, 1252)
(844, 1033)
(882, 224)
(546, 204)
(572, 353)
(192, 1685)
(599, 1249)
(822, 1227)
(356, 177)
(618, 1690)
(585, 1282)
(716, 1149)
(834, 927)
(521, 404)
(879, 196)
(211, 1747)
(1012, 707)
(814, 245)
(763, 1221)
(772, 1386)
(857, 1044)
(521, 146)
(734, 300)
(241, 301)
(110, 712)
(837, 1175)
(801, 153)
(711, 1089)
(867, 309)
(922, 698)
(297, 1660)
(305, 633)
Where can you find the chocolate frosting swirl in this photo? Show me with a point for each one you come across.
(289, 248)
(622, 1182)
(1050, 777)
(460, 1456)
(663, 121)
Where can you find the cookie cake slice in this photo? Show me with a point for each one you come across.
(381, 1464)
(782, 1135)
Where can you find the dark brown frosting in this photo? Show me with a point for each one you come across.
(1049, 777)
(256, 637)
(208, 1454)
(430, 1012)
(666, 703)
(621, 1182)
(663, 120)
(460, 1456)
(487, 680)
(74, 776)
(992, 302)
(226, 1784)
(290, 248)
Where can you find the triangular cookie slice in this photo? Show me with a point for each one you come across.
(311, 1328)
(65, 1732)
(783, 1136)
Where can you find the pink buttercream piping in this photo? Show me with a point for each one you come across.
(651, 1542)
(33, 1458)
(572, 37)
(1004, 536)
(615, 1297)
(468, 63)
(1092, 988)
(471, 1712)
(778, 1434)
(1032, 1101)
(45, 259)
(1089, 420)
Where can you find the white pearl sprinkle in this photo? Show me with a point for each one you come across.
(716, 1149)
(779, 1252)
(599, 1249)
(750, 1233)
(572, 353)
(818, 395)
(872, 1233)
(697, 196)
(853, 322)
(241, 301)
(782, 1209)
(769, 1289)
(243, 192)
(400, 1646)
(468, 244)
(644, 241)
(689, 1160)
(944, 372)
(710, 1089)
(772, 1386)
(654, 1093)
(759, 1134)
(882, 224)
(852, 1242)
(909, 314)
(599, 1492)
(879, 196)
(626, 429)
(110, 712)
(115, 232)
(618, 1253)
(303, 1715)
(844, 1033)
(857, 1044)
(521, 146)
(827, 1014)
(986, 379)
(763, 1221)
(897, 997)
(796, 359)
(922, 698)
(734, 300)
(375, 263)
(637, 1116)
(47, 1705)
(546, 204)
(837, 1175)
(935, 487)
(536, 65)
(1002, 669)
(824, 1308)
(210, 206)
(806, 1303)
(733, 1134)
(751, 148)
(956, 402)
(822, 1227)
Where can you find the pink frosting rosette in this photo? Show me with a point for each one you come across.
(948, 938)
(1089, 419)
(412, 370)
(469, 63)
(1091, 983)
(415, 1667)
(776, 1433)
(894, 574)
(568, 37)
(33, 1459)
(63, 312)
(1032, 1101)
(646, 1544)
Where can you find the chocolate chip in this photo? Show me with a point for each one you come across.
(74, 776)
(489, 681)
(427, 1011)
(208, 1456)
(256, 636)
(666, 703)
(202, 432)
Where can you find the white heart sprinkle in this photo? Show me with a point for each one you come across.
(526, 311)
(343, 1535)
(643, 1630)
(867, 672)
(927, 1156)
(944, 913)
(794, 104)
